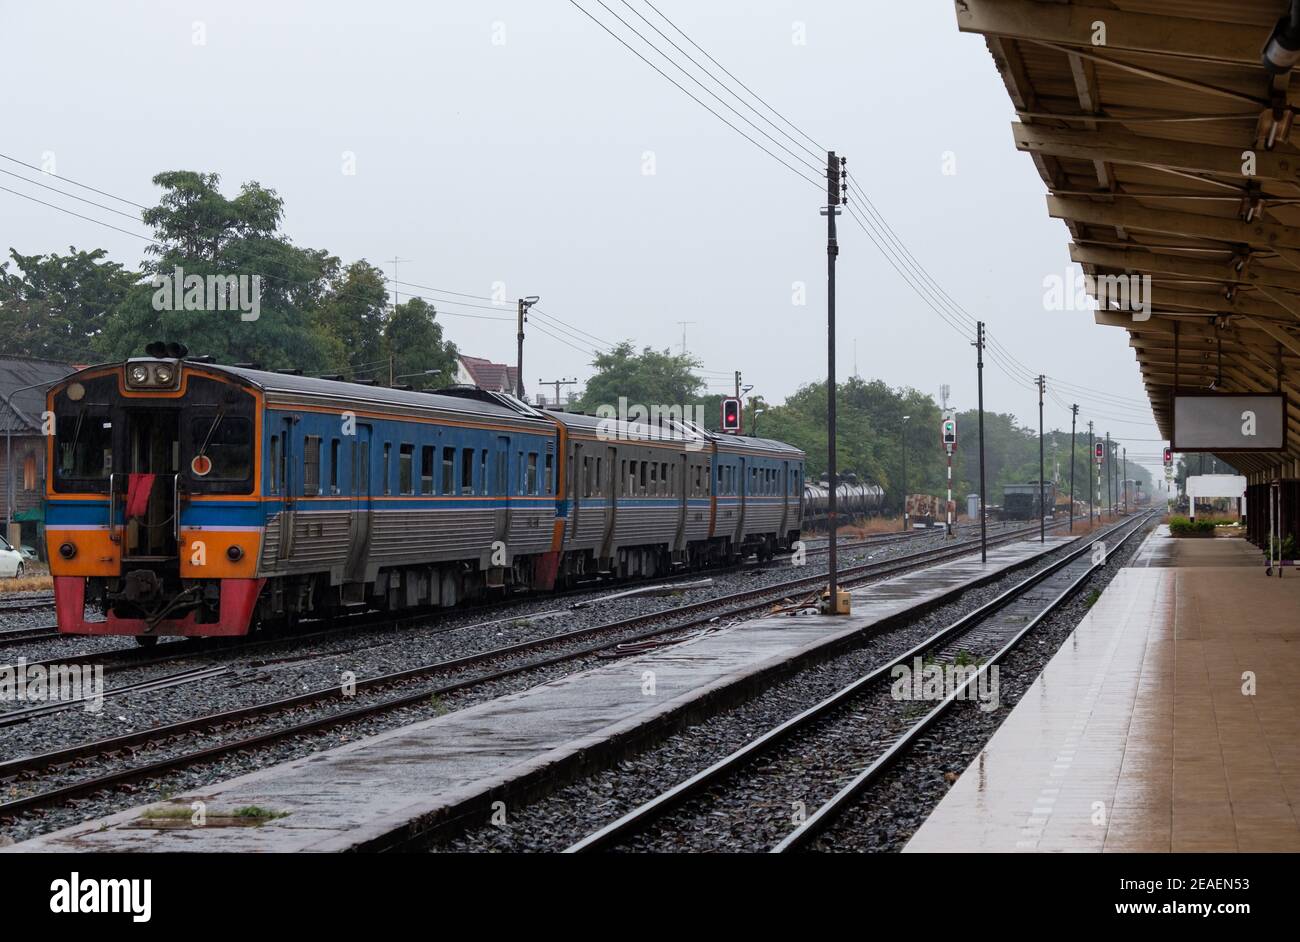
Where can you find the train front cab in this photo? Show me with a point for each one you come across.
(152, 500)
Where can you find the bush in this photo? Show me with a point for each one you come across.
(1288, 548)
(1181, 526)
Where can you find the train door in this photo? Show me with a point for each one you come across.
(611, 502)
(576, 479)
(742, 487)
(682, 481)
(360, 518)
(282, 471)
(501, 528)
(150, 504)
(784, 527)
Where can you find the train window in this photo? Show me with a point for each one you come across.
(467, 471)
(622, 478)
(654, 478)
(663, 478)
(549, 471)
(448, 470)
(85, 446)
(586, 476)
(530, 477)
(598, 484)
(406, 469)
(482, 472)
(311, 466)
(334, 466)
(388, 467)
(274, 464)
(643, 476)
(523, 474)
(426, 469)
(228, 441)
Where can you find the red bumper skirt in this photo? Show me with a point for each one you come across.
(238, 599)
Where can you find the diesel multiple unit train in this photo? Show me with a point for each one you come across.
(189, 498)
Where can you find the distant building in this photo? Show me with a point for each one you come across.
(496, 377)
(23, 381)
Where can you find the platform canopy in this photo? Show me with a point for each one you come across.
(1167, 150)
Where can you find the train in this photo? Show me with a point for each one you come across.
(191, 498)
(1021, 501)
(853, 498)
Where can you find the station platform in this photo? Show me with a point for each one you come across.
(379, 792)
(1168, 721)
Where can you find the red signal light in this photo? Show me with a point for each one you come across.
(731, 415)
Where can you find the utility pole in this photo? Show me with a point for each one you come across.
(979, 370)
(904, 437)
(557, 383)
(1110, 497)
(524, 305)
(1042, 485)
(1074, 418)
(1090, 458)
(395, 260)
(835, 197)
(737, 375)
(684, 325)
(1123, 482)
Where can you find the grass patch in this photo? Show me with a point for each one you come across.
(168, 814)
(257, 813)
(1091, 598)
(31, 582)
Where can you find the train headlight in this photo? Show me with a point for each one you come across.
(67, 550)
(163, 375)
(139, 375)
(235, 554)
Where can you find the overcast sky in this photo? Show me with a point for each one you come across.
(505, 147)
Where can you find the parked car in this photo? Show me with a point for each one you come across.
(11, 561)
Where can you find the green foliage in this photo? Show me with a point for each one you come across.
(1288, 547)
(414, 339)
(55, 306)
(1182, 526)
(649, 378)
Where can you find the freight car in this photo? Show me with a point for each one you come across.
(189, 498)
(853, 498)
(1021, 501)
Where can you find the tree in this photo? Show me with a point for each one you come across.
(203, 233)
(413, 338)
(59, 305)
(354, 315)
(649, 378)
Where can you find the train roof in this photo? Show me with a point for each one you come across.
(747, 443)
(289, 389)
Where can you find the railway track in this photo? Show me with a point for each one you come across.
(26, 603)
(997, 627)
(636, 632)
(176, 650)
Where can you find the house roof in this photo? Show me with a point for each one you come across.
(28, 404)
(488, 375)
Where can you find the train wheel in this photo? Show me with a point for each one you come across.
(146, 641)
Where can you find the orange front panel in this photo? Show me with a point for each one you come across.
(96, 555)
(204, 554)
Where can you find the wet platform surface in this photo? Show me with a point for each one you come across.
(358, 795)
(1169, 720)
